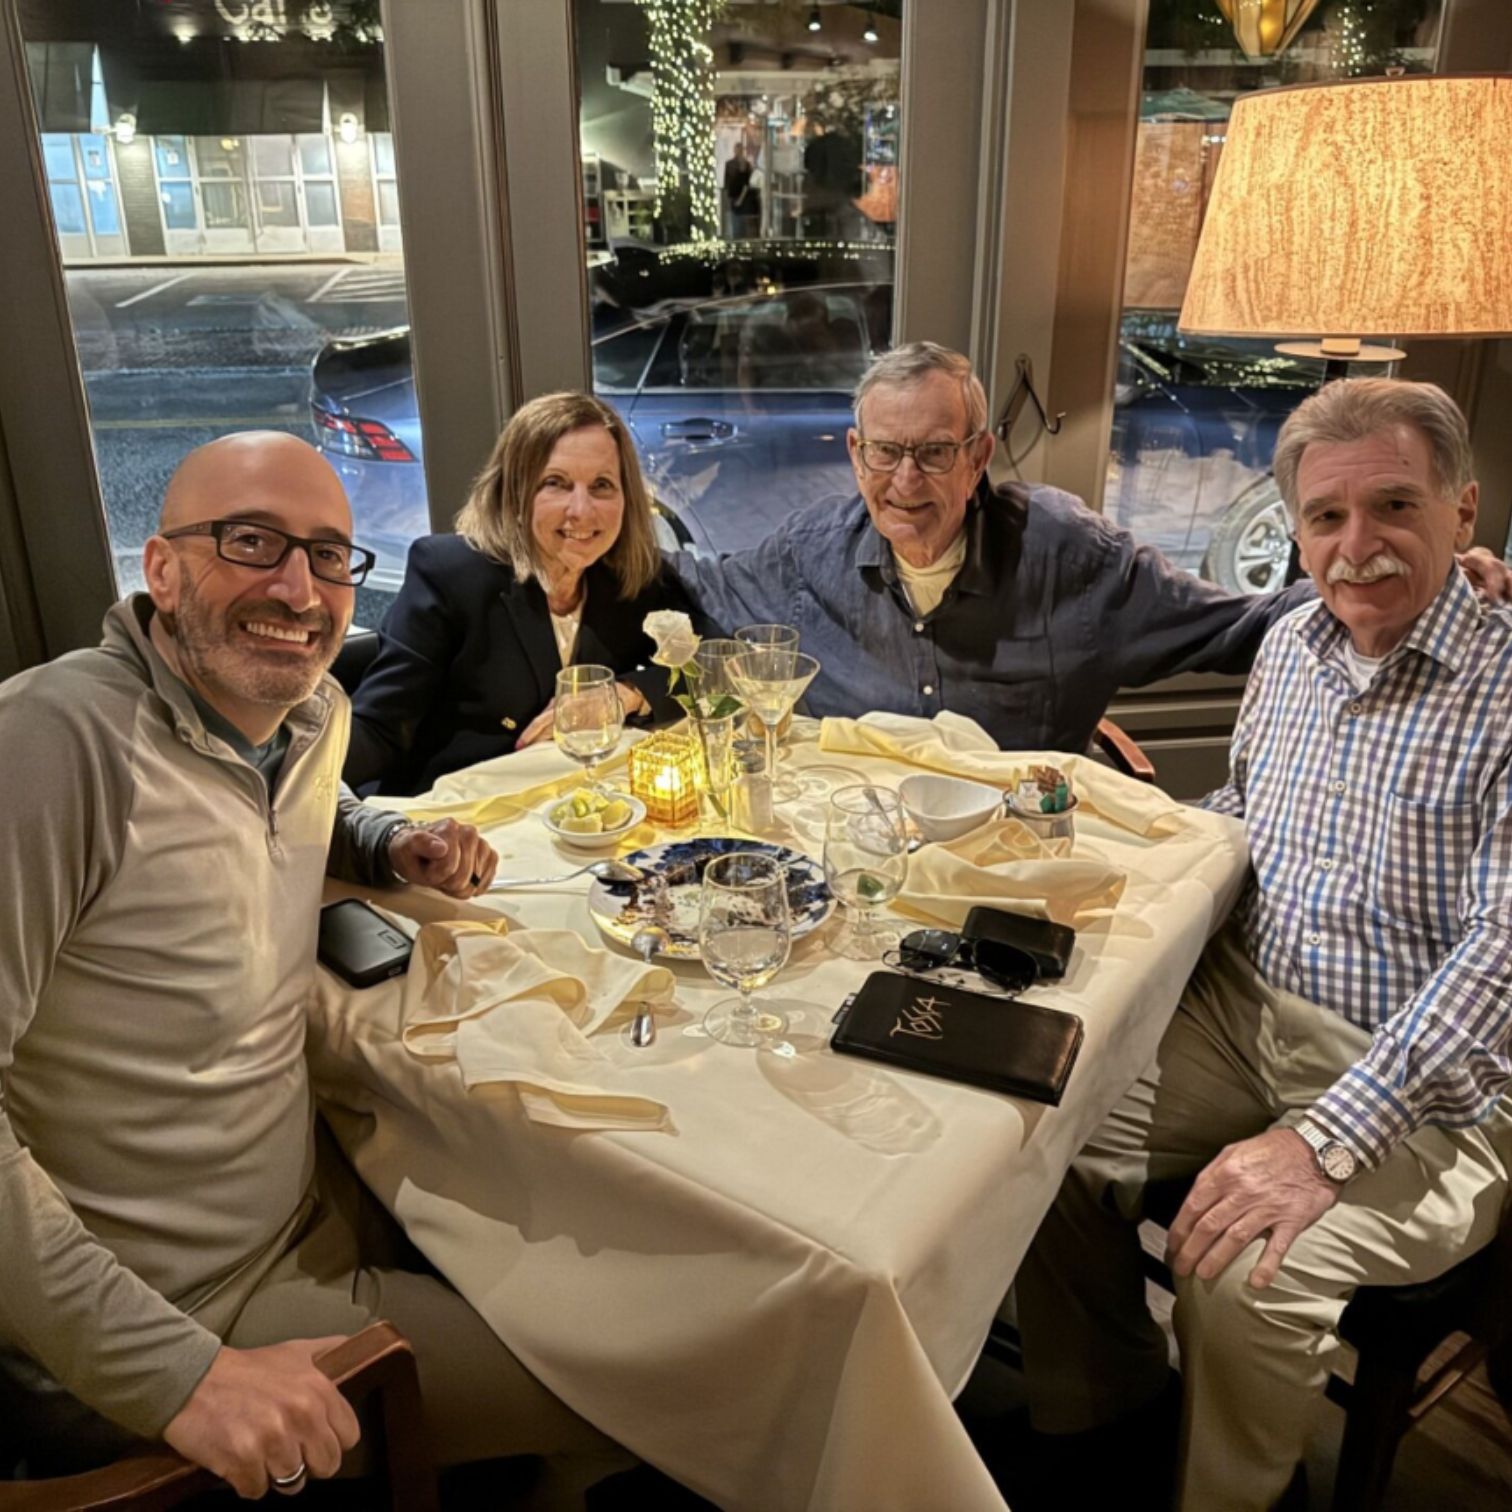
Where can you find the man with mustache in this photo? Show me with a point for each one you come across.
(175, 1257)
(1334, 1074)
(934, 589)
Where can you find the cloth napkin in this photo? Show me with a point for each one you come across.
(960, 746)
(1002, 862)
(531, 777)
(521, 1008)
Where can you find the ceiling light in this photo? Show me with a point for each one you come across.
(814, 23)
(870, 34)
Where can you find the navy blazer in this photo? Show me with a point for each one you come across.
(467, 658)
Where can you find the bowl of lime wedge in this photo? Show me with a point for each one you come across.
(589, 820)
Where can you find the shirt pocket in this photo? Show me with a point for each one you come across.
(1422, 856)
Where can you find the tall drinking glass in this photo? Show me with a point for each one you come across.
(588, 716)
(771, 681)
(713, 662)
(865, 863)
(781, 637)
(744, 934)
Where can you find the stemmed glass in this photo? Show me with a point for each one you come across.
(744, 934)
(865, 863)
(588, 717)
(772, 680)
(779, 638)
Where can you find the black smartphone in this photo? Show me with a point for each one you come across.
(360, 945)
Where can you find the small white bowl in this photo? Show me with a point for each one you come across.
(604, 839)
(944, 808)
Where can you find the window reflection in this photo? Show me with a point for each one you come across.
(740, 183)
(1195, 421)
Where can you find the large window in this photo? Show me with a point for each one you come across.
(185, 144)
(740, 180)
(1195, 421)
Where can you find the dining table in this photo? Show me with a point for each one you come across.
(767, 1272)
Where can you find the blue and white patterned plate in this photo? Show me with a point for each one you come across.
(617, 909)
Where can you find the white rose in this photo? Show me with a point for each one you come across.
(676, 644)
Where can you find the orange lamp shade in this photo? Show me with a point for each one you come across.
(1379, 207)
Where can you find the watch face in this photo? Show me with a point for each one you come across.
(1338, 1163)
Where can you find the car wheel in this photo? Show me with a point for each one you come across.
(1251, 544)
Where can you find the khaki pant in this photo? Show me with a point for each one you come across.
(1238, 1058)
(350, 1263)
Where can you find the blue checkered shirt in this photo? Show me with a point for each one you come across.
(1380, 831)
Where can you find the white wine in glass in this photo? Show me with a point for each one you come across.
(745, 932)
(772, 680)
(588, 716)
(865, 864)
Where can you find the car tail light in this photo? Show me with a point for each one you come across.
(359, 438)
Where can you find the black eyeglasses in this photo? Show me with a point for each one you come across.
(929, 456)
(925, 951)
(247, 544)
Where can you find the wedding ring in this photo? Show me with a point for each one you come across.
(290, 1485)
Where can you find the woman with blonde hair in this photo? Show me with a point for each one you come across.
(554, 562)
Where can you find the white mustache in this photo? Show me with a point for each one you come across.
(1381, 565)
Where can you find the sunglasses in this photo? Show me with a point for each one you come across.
(1003, 967)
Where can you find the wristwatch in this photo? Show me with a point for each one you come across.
(1336, 1161)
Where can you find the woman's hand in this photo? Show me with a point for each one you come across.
(632, 700)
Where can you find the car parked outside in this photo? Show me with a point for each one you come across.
(738, 407)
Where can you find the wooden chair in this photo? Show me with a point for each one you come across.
(1123, 754)
(1395, 1332)
(375, 1370)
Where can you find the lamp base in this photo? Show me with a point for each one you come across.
(1327, 351)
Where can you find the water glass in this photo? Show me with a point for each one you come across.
(745, 932)
(865, 864)
(588, 716)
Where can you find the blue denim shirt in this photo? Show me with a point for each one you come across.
(1052, 613)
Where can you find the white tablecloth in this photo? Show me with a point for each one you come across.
(776, 1301)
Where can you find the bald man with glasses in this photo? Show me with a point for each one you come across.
(177, 1245)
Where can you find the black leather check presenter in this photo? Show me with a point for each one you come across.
(1024, 1049)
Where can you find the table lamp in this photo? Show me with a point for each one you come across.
(1369, 209)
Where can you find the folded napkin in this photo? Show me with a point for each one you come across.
(499, 791)
(520, 1008)
(1004, 863)
(952, 743)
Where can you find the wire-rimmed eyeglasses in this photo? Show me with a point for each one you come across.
(929, 456)
(248, 544)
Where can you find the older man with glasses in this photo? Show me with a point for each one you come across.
(175, 1256)
(933, 589)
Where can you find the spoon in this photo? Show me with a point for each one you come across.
(605, 871)
(646, 941)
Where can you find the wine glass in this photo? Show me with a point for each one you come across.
(744, 934)
(588, 716)
(771, 681)
(865, 863)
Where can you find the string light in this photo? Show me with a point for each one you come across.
(716, 250)
(682, 107)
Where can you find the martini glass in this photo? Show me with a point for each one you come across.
(771, 680)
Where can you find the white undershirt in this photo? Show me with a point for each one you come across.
(1361, 669)
(565, 628)
(926, 586)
